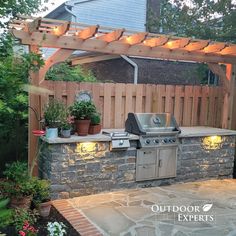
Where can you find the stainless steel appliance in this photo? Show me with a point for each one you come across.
(119, 140)
(158, 144)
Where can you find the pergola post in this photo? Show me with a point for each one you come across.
(229, 107)
(33, 123)
(34, 100)
(231, 75)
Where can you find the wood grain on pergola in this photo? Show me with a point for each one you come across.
(53, 33)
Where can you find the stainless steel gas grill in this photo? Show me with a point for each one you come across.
(158, 144)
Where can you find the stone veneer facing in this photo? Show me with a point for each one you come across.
(75, 170)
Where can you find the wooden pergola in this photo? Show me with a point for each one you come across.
(68, 37)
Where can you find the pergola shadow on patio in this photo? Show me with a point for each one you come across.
(68, 37)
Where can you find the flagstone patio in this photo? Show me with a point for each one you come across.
(129, 212)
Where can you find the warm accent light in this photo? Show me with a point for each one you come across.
(86, 147)
(212, 142)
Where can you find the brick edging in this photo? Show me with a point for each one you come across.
(79, 222)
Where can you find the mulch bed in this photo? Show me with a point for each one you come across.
(41, 225)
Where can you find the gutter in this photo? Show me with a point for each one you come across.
(69, 11)
(134, 65)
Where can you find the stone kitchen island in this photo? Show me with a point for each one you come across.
(85, 165)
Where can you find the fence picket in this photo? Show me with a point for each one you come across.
(191, 105)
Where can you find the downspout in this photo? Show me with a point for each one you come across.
(69, 11)
(134, 65)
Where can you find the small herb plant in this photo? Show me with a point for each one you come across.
(54, 113)
(95, 119)
(56, 229)
(83, 110)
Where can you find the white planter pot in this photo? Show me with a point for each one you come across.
(51, 132)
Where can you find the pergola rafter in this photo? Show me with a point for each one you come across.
(76, 36)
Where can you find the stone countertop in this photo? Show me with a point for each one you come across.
(89, 138)
(197, 131)
(201, 131)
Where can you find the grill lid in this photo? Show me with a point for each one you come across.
(151, 123)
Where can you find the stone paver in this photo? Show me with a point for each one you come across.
(128, 212)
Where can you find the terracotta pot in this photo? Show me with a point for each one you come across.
(95, 129)
(44, 209)
(82, 127)
(21, 202)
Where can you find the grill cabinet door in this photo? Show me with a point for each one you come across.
(167, 162)
(146, 164)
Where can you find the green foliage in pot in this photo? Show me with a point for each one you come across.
(83, 110)
(95, 119)
(42, 191)
(54, 112)
(18, 183)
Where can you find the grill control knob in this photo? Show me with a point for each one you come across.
(156, 141)
(147, 141)
(165, 140)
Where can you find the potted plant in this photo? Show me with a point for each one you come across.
(52, 116)
(82, 112)
(18, 185)
(95, 125)
(65, 130)
(41, 197)
(66, 124)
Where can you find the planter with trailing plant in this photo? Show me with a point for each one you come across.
(95, 125)
(82, 112)
(53, 112)
(41, 197)
(18, 185)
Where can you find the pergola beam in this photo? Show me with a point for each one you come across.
(91, 59)
(118, 47)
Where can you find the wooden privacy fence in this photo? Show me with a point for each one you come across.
(191, 105)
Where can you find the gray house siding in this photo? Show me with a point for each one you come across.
(129, 14)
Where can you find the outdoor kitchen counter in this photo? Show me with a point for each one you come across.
(197, 131)
(83, 165)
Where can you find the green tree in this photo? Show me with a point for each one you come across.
(203, 19)
(65, 72)
(10, 9)
(14, 72)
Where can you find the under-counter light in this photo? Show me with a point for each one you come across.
(212, 142)
(86, 147)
